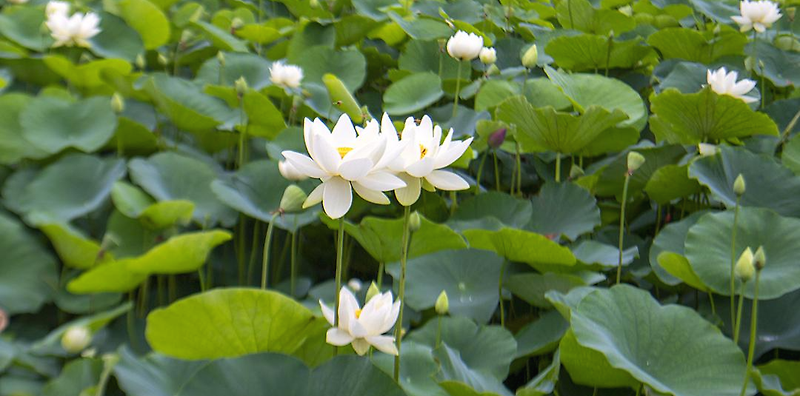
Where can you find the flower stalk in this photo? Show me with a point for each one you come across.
(398, 330)
(739, 190)
(267, 243)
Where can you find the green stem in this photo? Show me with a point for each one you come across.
(379, 278)
(339, 263)
(558, 167)
(131, 324)
(753, 328)
(398, 329)
(480, 172)
(438, 333)
(293, 265)
(738, 323)
(253, 252)
(519, 170)
(500, 293)
(711, 300)
(202, 279)
(453, 202)
(622, 224)
(496, 171)
(458, 89)
(240, 245)
(265, 259)
(733, 262)
(106, 373)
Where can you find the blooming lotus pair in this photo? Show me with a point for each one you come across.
(70, 30)
(374, 159)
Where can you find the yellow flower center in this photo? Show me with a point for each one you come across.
(343, 151)
(422, 151)
(358, 313)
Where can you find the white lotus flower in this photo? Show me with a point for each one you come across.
(57, 7)
(463, 46)
(344, 160)
(355, 285)
(488, 55)
(286, 76)
(363, 327)
(74, 30)
(289, 172)
(725, 83)
(758, 15)
(423, 157)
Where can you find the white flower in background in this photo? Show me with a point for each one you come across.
(76, 339)
(344, 161)
(286, 76)
(758, 15)
(57, 7)
(488, 55)
(289, 172)
(74, 30)
(424, 154)
(355, 285)
(463, 46)
(725, 83)
(363, 327)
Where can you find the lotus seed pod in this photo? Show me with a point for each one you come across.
(241, 86)
(744, 268)
(739, 186)
(76, 339)
(293, 198)
(414, 222)
(635, 161)
(442, 305)
(372, 291)
(530, 57)
(117, 103)
(760, 258)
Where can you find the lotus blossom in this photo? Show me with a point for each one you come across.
(488, 55)
(463, 46)
(286, 76)
(57, 7)
(73, 30)
(758, 15)
(725, 83)
(363, 327)
(424, 155)
(344, 161)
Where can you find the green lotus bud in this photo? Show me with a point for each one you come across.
(241, 86)
(76, 339)
(739, 186)
(372, 292)
(575, 172)
(414, 222)
(221, 58)
(162, 60)
(140, 62)
(744, 268)
(442, 305)
(530, 57)
(626, 10)
(293, 198)
(117, 103)
(760, 258)
(342, 97)
(644, 19)
(236, 23)
(635, 161)
(313, 3)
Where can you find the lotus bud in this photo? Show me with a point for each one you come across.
(739, 186)
(221, 58)
(488, 55)
(635, 161)
(744, 268)
(575, 172)
(442, 305)
(355, 285)
(162, 60)
(293, 198)
(497, 138)
(236, 23)
(241, 86)
(414, 222)
(117, 103)
(140, 62)
(76, 339)
(530, 57)
(760, 258)
(787, 43)
(372, 292)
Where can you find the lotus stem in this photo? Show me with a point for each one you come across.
(558, 167)
(458, 89)
(500, 293)
(480, 172)
(453, 202)
(339, 262)
(398, 329)
(293, 265)
(438, 333)
(733, 263)
(753, 328)
(379, 278)
(496, 171)
(622, 224)
(738, 322)
(267, 243)
(519, 170)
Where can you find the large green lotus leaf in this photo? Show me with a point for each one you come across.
(590, 52)
(780, 66)
(541, 92)
(769, 185)
(171, 176)
(564, 209)
(25, 269)
(695, 46)
(542, 335)
(423, 28)
(491, 211)
(720, 11)
(186, 104)
(494, 92)
(670, 348)
(545, 382)
(780, 376)
(671, 238)
(586, 90)
(220, 38)
(580, 15)
(256, 190)
(348, 66)
(351, 375)
(602, 255)
(546, 129)
(589, 367)
(263, 117)
(13, 145)
(425, 56)
(154, 374)
(521, 246)
(412, 93)
(53, 124)
(50, 345)
(74, 249)
(382, 238)
(88, 74)
(249, 375)
(253, 68)
(708, 248)
(147, 19)
(612, 177)
(259, 33)
(231, 323)
(180, 254)
(23, 25)
(113, 277)
(373, 8)
(134, 203)
(417, 369)
(116, 39)
(671, 182)
(705, 116)
(679, 267)
(489, 349)
(687, 77)
(790, 157)
(469, 277)
(459, 379)
(76, 376)
(69, 188)
(531, 287)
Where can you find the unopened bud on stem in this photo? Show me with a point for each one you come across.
(442, 305)
(635, 161)
(744, 268)
(739, 186)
